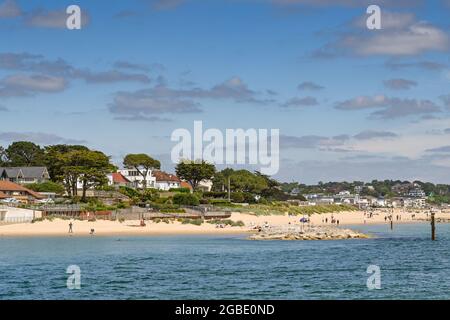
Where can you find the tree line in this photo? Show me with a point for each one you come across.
(73, 165)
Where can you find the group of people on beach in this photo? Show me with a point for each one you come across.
(332, 220)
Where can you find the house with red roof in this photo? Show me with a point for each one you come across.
(166, 181)
(119, 180)
(13, 190)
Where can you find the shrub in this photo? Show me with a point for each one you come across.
(197, 222)
(129, 192)
(215, 194)
(48, 186)
(237, 197)
(186, 199)
(161, 200)
(182, 190)
(150, 195)
(228, 222)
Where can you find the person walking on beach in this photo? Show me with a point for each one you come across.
(70, 227)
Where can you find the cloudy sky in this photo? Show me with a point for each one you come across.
(350, 103)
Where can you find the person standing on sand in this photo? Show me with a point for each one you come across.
(70, 227)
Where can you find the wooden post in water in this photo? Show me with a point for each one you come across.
(433, 227)
(392, 223)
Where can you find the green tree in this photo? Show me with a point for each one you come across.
(246, 181)
(95, 166)
(220, 180)
(85, 166)
(24, 154)
(48, 186)
(142, 163)
(195, 171)
(54, 161)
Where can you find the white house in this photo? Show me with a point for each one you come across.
(166, 181)
(415, 202)
(416, 193)
(137, 179)
(205, 185)
(380, 202)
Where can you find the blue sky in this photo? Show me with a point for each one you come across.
(351, 104)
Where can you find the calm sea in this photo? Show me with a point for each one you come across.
(229, 267)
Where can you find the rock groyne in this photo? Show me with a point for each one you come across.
(298, 232)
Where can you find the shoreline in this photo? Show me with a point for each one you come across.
(59, 227)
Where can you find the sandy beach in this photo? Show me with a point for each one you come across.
(60, 227)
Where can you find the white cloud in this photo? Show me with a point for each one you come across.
(418, 38)
(389, 108)
(35, 82)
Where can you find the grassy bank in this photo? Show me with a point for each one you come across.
(282, 208)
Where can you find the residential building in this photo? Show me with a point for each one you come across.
(379, 202)
(416, 192)
(205, 185)
(415, 202)
(316, 198)
(397, 202)
(187, 185)
(13, 190)
(137, 180)
(24, 175)
(402, 188)
(116, 179)
(166, 181)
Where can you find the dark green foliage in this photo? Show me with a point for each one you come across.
(48, 186)
(186, 199)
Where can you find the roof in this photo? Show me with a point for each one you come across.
(163, 176)
(119, 178)
(27, 172)
(185, 184)
(11, 186)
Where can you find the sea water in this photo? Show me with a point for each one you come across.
(229, 267)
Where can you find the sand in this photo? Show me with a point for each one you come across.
(60, 227)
